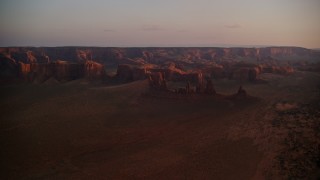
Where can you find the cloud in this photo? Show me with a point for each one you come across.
(109, 30)
(152, 28)
(232, 26)
(182, 31)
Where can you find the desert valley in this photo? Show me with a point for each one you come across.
(159, 113)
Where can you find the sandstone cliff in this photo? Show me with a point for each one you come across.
(67, 63)
(107, 55)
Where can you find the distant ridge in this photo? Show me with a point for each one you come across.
(204, 46)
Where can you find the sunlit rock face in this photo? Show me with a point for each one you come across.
(59, 70)
(94, 70)
(24, 69)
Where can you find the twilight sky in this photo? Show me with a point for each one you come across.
(160, 23)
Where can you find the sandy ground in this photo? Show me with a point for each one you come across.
(78, 131)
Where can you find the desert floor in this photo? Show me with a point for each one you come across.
(77, 130)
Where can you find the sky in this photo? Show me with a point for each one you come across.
(144, 23)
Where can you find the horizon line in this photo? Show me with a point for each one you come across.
(244, 46)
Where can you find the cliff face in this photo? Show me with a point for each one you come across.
(8, 69)
(94, 70)
(59, 70)
(127, 73)
(67, 63)
(113, 55)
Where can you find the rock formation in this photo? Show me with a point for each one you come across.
(101, 54)
(8, 69)
(200, 86)
(124, 73)
(188, 87)
(241, 93)
(41, 72)
(157, 82)
(94, 70)
(210, 88)
(277, 69)
(64, 71)
(139, 73)
(214, 62)
(59, 70)
(128, 73)
(24, 71)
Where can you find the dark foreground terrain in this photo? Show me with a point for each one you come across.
(79, 130)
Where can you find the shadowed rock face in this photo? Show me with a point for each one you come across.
(216, 72)
(209, 87)
(244, 74)
(60, 70)
(128, 73)
(277, 69)
(178, 75)
(241, 92)
(41, 72)
(157, 82)
(67, 71)
(124, 73)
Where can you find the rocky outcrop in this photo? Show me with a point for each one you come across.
(94, 70)
(217, 72)
(128, 73)
(64, 71)
(200, 87)
(154, 55)
(157, 82)
(277, 69)
(240, 94)
(24, 71)
(193, 77)
(315, 67)
(283, 52)
(41, 72)
(171, 72)
(245, 74)
(59, 70)
(8, 69)
(210, 88)
(124, 73)
(139, 73)
(174, 74)
(90, 61)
